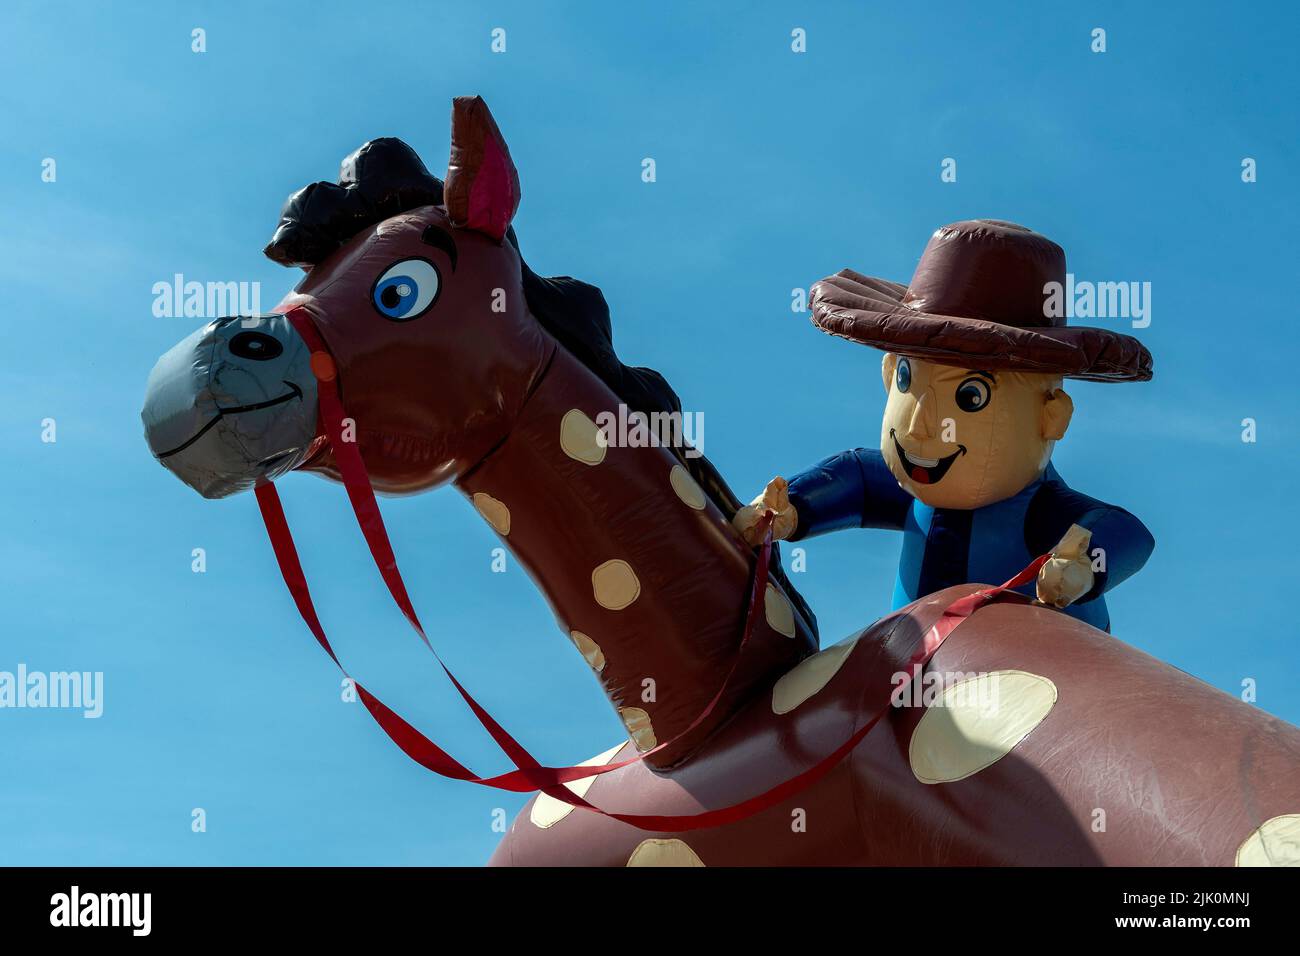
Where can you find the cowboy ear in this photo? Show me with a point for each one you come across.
(1058, 409)
(482, 188)
(888, 365)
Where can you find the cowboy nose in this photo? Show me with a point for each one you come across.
(232, 404)
(924, 417)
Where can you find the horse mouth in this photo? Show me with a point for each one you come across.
(924, 471)
(294, 392)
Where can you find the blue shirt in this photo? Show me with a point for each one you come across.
(947, 546)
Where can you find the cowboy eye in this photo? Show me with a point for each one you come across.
(406, 289)
(973, 394)
(903, 375)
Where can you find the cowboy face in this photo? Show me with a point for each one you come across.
(963, 438)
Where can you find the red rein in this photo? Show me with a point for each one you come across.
(529, 774)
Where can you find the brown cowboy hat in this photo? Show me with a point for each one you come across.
(977, 300)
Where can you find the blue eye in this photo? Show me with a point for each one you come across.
(903, 376)
(406, 289)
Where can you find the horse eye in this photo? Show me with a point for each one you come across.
(903, 375)
(972, 395)
(406, 290)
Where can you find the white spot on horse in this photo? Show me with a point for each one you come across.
(663, 853)
(494, 512)
(589, 649)
(580, 439)
(637, 722)
(1275, 842)
(809, 676)
(548, 811)
(615, 585)
(976, 723)
(687, 489)
(777, 610)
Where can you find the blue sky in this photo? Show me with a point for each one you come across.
(774, 170)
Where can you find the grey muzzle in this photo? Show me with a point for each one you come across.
(232, 405)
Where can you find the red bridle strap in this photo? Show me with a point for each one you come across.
(529, 774)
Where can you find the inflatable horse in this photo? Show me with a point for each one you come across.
(420, 349)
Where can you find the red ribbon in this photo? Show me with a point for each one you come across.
(529, 774)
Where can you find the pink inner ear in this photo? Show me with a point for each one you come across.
(492, 197)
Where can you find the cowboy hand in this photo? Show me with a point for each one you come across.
(775, 499)
(1067, 575)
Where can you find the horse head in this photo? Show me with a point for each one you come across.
(418, 296)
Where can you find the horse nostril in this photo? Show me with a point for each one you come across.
(255, 345)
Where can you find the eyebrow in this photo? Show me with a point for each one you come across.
(988, 375)
(439, 239)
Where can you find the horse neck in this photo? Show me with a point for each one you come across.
(644, 574)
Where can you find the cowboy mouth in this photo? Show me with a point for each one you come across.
(294, 392)
(924, 471)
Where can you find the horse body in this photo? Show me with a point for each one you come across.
(1124, 761)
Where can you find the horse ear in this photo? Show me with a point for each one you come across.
(482, 188)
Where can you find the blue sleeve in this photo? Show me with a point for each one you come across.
(854, 489)
(1123, 539)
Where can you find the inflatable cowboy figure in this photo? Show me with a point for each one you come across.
(973, 370)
